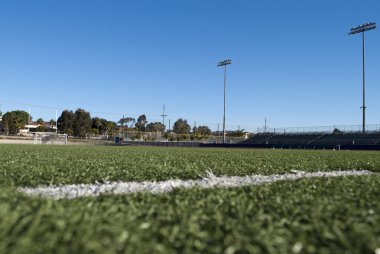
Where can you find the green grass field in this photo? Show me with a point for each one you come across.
(319, 215)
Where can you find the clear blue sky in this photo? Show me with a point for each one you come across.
(293, 61)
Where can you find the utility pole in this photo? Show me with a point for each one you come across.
(218, 133)
(265, 125)
(56, 121)
(29, 118)
(122, 128)
(169, 125)
(361, 29)
(163, 115)
(224, 63)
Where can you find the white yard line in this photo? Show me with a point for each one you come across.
(211, 181)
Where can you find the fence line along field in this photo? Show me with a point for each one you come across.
(310, 215)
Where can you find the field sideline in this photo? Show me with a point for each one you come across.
(313, 215)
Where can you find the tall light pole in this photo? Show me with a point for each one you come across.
(361, 29)
(224, 63)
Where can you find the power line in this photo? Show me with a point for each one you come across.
(54, 108)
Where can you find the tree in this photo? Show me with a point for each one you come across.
(102, 126)
(126, 120)
(14, 121)
(82, 123)
(96, 124)
(94, 131)
(66, 122)
(42, 128)
(181, 126)
(52, 123)
(40, 121)
(109, 127)
(141, 123)
(155, 127)
(202, 130)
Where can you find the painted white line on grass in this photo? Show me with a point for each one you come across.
(211, 181)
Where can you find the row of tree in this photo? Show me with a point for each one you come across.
(180, 126)
(142, 124)
(81, 124)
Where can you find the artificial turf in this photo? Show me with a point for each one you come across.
(320, 215)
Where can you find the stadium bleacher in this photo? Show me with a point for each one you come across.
(314, 140)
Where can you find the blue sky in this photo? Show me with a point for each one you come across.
(293, 61)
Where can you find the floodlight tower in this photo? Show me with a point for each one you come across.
(224, 63)
(361, 29)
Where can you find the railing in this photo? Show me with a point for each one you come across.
(173, 137)
(371, 128)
